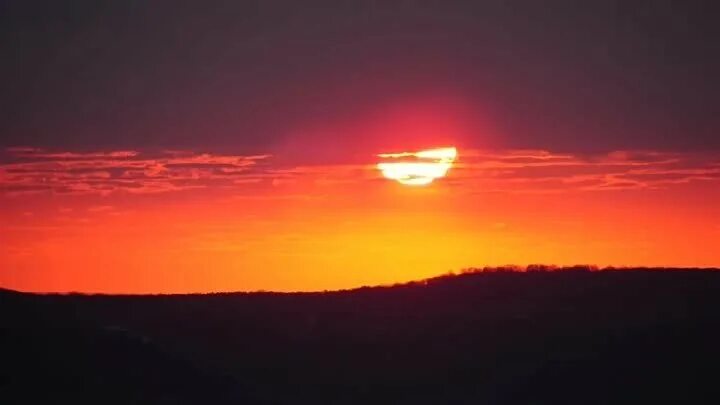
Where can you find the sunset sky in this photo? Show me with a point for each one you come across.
(156, 147)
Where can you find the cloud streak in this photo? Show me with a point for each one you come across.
(543, 171)
(32, 170)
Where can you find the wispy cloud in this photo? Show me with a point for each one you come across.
(100, 208)
(533, 171)
(32, 170)
(543, 171)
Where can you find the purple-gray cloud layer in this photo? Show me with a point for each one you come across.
(239, 76)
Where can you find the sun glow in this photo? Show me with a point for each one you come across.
(417, 168)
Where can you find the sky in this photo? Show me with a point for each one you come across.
(186, 146)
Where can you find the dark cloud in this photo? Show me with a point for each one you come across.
(248, 76)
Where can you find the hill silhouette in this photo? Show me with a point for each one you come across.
(541, 335)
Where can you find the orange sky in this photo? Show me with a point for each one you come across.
(142, 222)
(155, 148)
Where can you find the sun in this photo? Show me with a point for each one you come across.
(417, 168)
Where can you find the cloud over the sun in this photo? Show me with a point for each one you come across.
(545, 171)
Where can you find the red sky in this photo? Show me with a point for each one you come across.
(173, 146)
(134, 221)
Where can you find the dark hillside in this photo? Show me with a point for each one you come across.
(630, 336)
(50, 355)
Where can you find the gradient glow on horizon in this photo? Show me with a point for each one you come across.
(184, 221)
(153, 147)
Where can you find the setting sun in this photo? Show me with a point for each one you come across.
(346, 202)
(417, 168)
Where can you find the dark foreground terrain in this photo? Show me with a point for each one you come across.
(564, 337)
